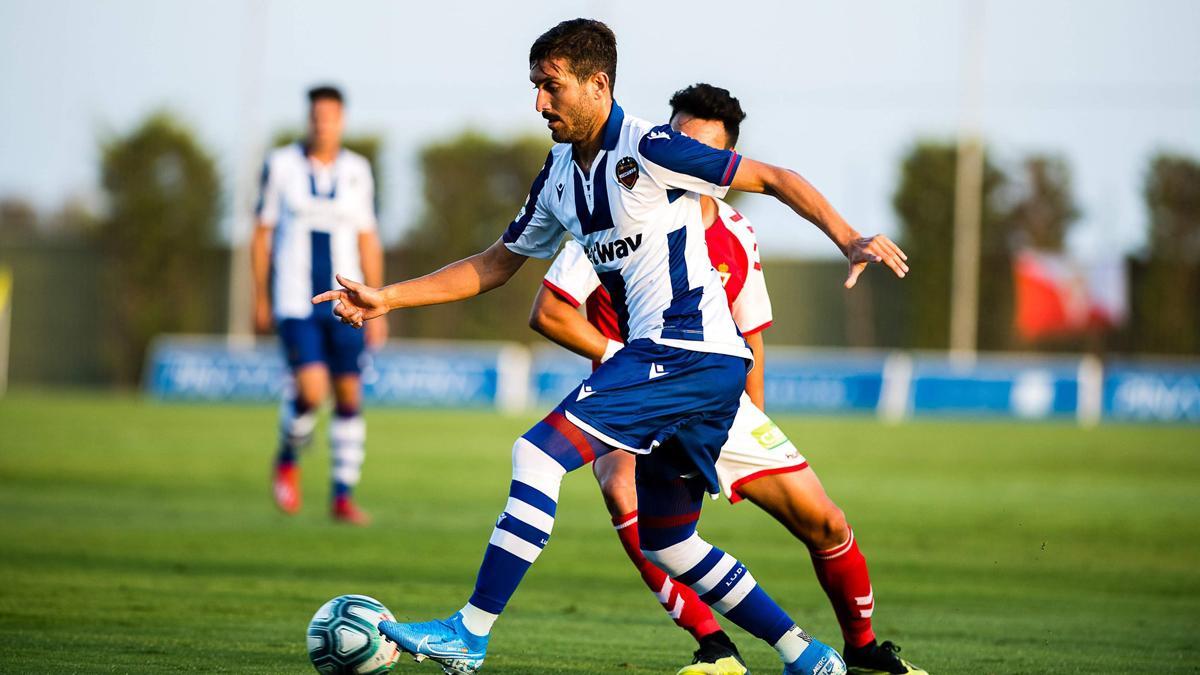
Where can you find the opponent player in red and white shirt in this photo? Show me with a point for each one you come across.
(758, 462)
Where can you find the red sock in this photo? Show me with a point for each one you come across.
(682, 604)
(842, 571)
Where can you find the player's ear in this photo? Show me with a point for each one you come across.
(601, 82)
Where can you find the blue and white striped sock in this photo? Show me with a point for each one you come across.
(541, 458)
(521, 532)
(727, 586)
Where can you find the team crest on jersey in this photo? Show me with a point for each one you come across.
(724, 273)
(627, 172)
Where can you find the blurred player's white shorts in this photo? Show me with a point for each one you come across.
(756, 448)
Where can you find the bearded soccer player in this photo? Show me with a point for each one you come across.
(757, 462)
(628, 192)
(316, 218)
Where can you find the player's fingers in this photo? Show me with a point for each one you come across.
(893, 252)
(895, 249)
(897, 265)
(329, 295)
(855, 270)
(349, 283)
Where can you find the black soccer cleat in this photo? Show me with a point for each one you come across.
(875, 658)
(717, 655)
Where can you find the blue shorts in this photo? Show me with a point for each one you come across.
(674, 402)
(322, 339)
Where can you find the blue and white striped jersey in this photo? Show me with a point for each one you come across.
(318, 212)
(637, 216)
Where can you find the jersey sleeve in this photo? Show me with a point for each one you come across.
(572, 276)
(535, 232)
(752, 307)
(266, 210)
(678, 161)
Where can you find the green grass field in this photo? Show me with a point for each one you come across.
(138, 537)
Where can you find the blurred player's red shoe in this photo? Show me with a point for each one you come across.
(345, 511)
(286, 488)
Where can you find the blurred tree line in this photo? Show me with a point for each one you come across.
(1035, 209)
(149, 260)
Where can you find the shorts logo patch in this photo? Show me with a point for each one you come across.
(627, 172)
(769, 436)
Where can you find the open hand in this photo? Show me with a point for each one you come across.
(354, 302)
(877, 249)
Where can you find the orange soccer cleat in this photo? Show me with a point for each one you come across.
(345, 511)
(286, 488)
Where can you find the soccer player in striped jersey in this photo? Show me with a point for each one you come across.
(757, 462)
(629, 192)
(316, 218)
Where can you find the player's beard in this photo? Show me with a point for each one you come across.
(574, 126)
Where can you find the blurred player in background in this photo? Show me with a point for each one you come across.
(757, 462)
(316, 219)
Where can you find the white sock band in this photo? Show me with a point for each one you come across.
(476, 620)
(346, 436)
(792, 644)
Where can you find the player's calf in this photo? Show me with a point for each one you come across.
(296, 423)
(669, 510)
(541, 458)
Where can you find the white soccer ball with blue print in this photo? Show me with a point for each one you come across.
(343, 638)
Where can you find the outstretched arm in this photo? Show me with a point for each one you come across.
(562, 324)
(466, 278)
(790, 188)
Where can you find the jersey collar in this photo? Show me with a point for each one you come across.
(612, 128)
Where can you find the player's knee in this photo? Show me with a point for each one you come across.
(829, 529)
(620, 493)
(308, 399)
(534, 467)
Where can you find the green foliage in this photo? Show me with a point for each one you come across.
(1046, 210)
(473, 186)
(1166, 308)
(369, 146)
(924, 200)
(163, 196)
(140, 538)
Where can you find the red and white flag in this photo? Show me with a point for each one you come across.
(1060, 297)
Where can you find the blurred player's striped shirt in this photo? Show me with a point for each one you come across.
(318, 212)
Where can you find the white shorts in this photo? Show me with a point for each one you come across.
(755, 448)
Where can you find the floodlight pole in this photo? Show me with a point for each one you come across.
(6, 295)
(968, 197)
(246, 156)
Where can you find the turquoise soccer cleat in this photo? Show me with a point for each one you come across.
(817, 659)
(446, 642)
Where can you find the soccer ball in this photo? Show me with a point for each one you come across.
(343, 638)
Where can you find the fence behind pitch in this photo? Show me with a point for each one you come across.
(894, 385)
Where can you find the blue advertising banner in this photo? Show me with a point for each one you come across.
(415, 374)
(1028, 388)
(823, 382)
(1152, 392)
(896, 385)
(554, 374)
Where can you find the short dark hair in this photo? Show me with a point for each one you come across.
(325, 92)
(710, 103)
(588, 45)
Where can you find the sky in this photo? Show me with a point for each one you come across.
(835, 90)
